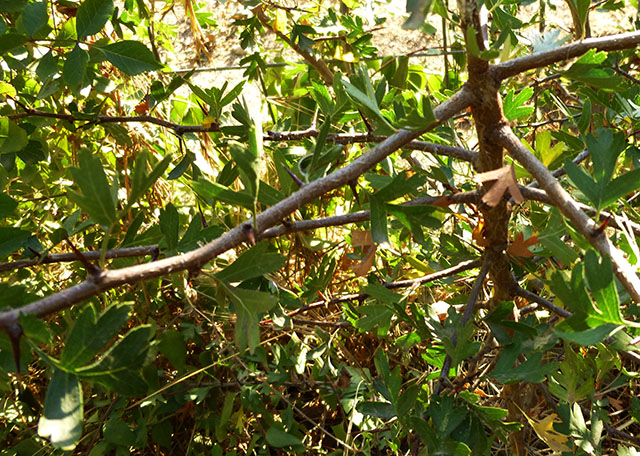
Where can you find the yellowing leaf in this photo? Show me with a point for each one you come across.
(208, 121)
(478, 234)
(343, 56)
(280, 22)
(505, 178)
(544, 429)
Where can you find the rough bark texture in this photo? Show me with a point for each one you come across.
(488, 116)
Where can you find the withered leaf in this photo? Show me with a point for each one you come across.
(505, 178)
(520, 247)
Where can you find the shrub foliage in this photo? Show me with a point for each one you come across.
(347, 252)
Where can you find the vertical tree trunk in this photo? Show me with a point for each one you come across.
(488, 117)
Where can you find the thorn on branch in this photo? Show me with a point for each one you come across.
(14, 331)
(295, 178)
(92, 269)
(250, 233)
(353, 185)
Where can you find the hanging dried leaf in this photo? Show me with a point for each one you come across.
(363, 268)
(362, 238)
(478, 234)
(505, 178)
(520, 248)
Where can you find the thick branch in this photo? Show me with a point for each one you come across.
(195, 259)
(570, 209)
(568, 51)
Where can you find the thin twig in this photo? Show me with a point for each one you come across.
(126, 252)
(468, 312)
(568, 51)
(460, 267)
(533, 297)
(177, 128)
(351, 138)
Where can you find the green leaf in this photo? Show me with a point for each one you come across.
(249, 305)
(34, 17)
(95, 197)
(90, 333)
(169, 225)
(531, 370)
(406, 400)
(382, 293)
(419, 10)
(141, 181)
(375, 317)
(604, 151)
(399, 186)
(172, 346)
(255, 262)
(584, 182)
(12, 137)
(75, 67)
(119, 433)
(379, 233)
(35, 329)
(599, 275)
(125, 355)
(10, 41)
(278, 438)
(11, 239)
(513, 104)
(587, 337)
(61, 419)
(366, 101)
(620, 186)
(383, 410)
(91, 17)
(131, 57)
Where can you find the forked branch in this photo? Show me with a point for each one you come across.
(570, 209)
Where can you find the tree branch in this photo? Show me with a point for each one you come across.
(126, 252)
(319, 65)
(177, 128)
(568, 51)
(570, 209)
(195, 259)
(460, 267)
(468, 312)
(350, 138)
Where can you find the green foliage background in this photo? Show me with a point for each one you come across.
(277, 345)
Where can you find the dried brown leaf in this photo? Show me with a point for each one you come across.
(361, 238)
(505, 178)
(363, 268)
(519, 247)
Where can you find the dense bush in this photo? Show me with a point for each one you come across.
(366, 259)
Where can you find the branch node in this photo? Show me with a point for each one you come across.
(93, 270)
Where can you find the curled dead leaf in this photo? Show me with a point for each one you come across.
(505, 178)
(520, 247)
